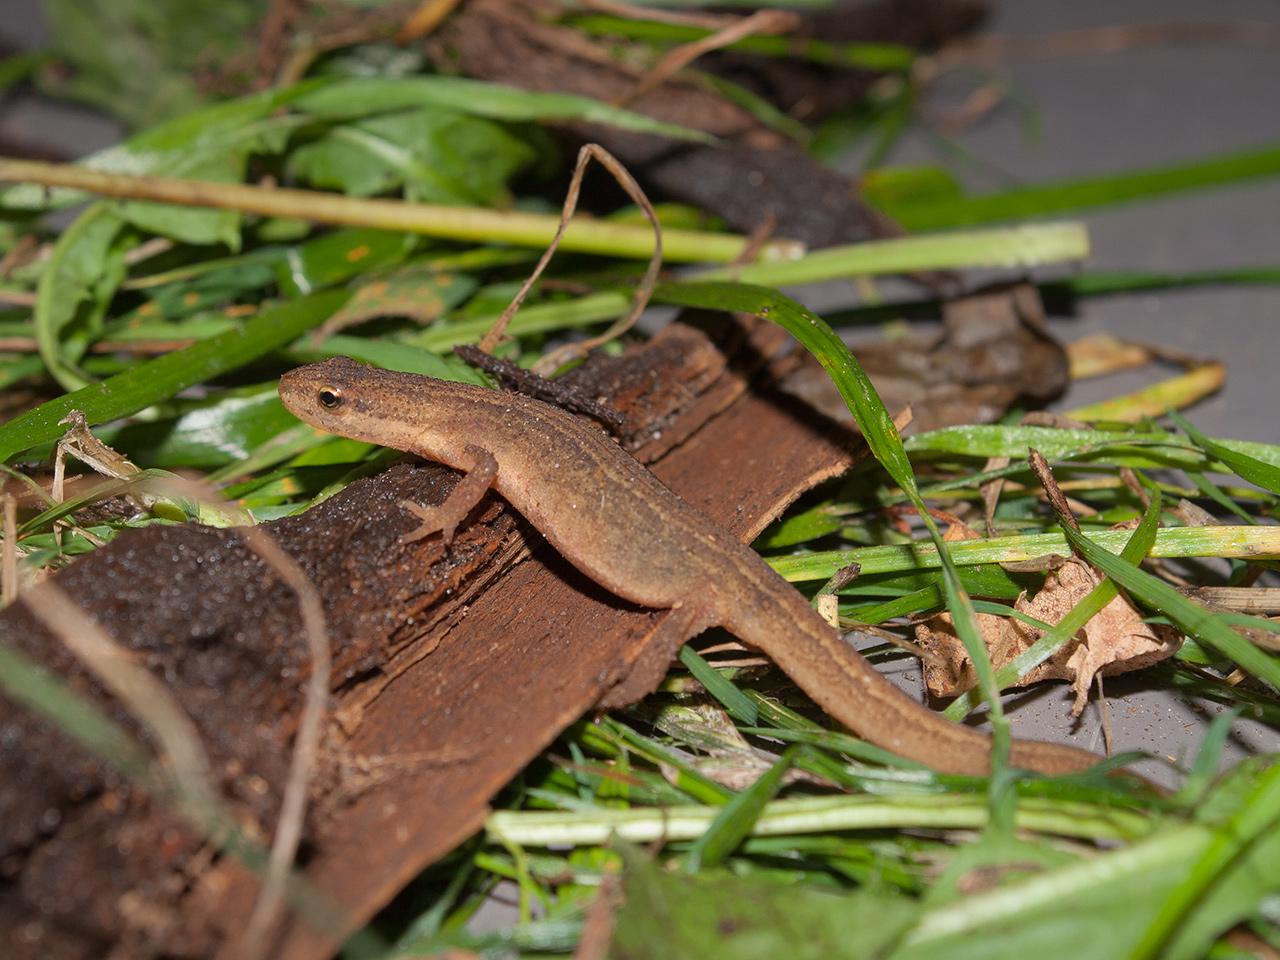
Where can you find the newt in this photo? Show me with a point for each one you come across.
(616, 523)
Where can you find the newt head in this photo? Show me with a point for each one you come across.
(334, 395)
(406, 411)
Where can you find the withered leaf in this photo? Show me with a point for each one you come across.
(1114, 641)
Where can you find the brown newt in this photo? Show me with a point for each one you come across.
(614, 521)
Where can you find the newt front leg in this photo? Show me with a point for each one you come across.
(462, 499)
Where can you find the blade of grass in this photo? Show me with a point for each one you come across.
(1163, 449)
(1054, 198)
(1248, 543)
(738, 817)
(1180, 390)
(886, 446)
(863, 56)
(1265, 475)
(731, 698)
(1016, 247)
(539, 318)
(159, 379)
(1135, 550)
(1257, 816)
(1218, 496)
(946, 811)
(1186, 614)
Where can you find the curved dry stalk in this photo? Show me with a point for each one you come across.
(293, 805)
(150, 701)
(645, 288)
(9, 551)
(760, 22)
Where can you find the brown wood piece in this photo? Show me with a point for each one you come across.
(453, 669)
(534, 653)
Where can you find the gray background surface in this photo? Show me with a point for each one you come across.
(1111, 112)
(1098, 113)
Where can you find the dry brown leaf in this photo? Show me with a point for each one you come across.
(1115, 641)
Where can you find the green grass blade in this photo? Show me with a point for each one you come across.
(1124, 447)
(1218, 496)
(1188, 615)
(1101, 283)
(1048, 199)
(863, 56)
(738, 817)
(819, 339)
(1243, 542)
(1015, 247)
(1265, 475)
(731, 698)
(1257, 817)
(886, 446)
(159, 379)
(1139, 545)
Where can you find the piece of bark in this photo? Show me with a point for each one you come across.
(753, 173)
(453, 669)
(810, 91)
(1114, 641)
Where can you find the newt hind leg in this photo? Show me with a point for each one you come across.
(444, 518)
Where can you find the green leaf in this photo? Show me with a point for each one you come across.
(731, 698)
(1229, 881)
(1154, 448)
(1265, 475)
(192, 224)
(1186, 614)
(77, 285)
(439, 156)
(418, 291)
(339, 255)
(156, 380)
(364, 96)
(137, 58)
(1053, 198)
(1006, 248)
(735, 822)
(1092, 910)
(390, 355)
(671, 916)
(206, 434)
(200, 140)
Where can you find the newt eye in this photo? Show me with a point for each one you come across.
(329, 397)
